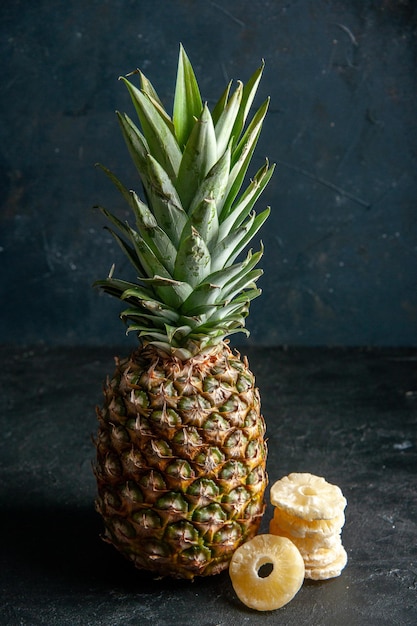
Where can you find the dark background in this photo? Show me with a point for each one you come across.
(341, 242)
(340, 269)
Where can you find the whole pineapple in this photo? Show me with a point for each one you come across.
(181, 453)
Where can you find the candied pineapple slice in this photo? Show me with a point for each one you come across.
(328, 570)
(308, 497)
(285, 576)
(298, 527)
(310, 512)
(306, 545)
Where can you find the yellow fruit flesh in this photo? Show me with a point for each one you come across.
(330, 570)
(310, 512)
(306, 545)
(280, 585)
(299, 527)
(308, 497)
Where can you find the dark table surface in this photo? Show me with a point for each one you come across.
(349, 415)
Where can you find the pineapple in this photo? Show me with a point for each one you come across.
(181, 454)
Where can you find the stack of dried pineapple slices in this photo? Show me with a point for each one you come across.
(304, 541)
(310, 512)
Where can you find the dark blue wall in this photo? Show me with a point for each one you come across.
(341, 243)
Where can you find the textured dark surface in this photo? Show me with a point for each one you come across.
(341, 242)
(349, 415)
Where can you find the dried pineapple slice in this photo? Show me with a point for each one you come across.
(321, 557)
(331, 570)
(310, 512)
(298, 527)
(307, 496)
(306, 545)
(283, 582)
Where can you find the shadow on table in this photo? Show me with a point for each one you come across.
(61, 547)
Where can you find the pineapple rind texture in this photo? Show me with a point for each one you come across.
(181, 459)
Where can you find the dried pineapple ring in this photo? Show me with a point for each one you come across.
(306, 545)
(321, 557)
(307, 496)
(298, 527)
(331, 570)
(280, 586)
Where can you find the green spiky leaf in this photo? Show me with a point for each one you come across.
(221, 104)
(136, 144)
(193, 259)
(187, 100)
(157, 239)
(244, 205)
(197, 218)
(241, 157)
(200, 154)
(214, 184)
(166, 204)
(158, 131)
(248, 95)
(225, 125)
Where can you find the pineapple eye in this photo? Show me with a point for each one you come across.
(237, 496)
(152, 481)
(156, 549)
(211, 514)
(111, 500)
(233, 470)
(132, 492)
(254, 450)
(216, 422)
(166, 417)
(180, 469)
(244, 383)
(205, 488)
(187, 438)
(196, 555)
(210, 459)
(182, 533)
(112, 465)
(123, 530)
(228, 534)
(172, 501)
(147, 518)
(119, 435)
(235, 445)
(160, 449)
(256, 478)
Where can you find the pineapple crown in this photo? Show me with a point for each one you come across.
(195, 221)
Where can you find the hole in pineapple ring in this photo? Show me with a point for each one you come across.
(265, 569)
(307, 491)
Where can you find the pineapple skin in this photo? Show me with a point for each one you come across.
(181, 460)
